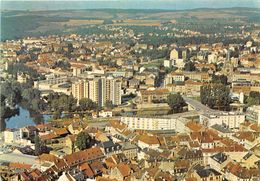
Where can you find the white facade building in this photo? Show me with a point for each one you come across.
(167, 63)
(212, 58)
(231, 120)
(12, 136)
(253, 114)
(177, 124)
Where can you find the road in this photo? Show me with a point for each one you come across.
(198, 109)
(198, 106)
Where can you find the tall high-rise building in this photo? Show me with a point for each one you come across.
(95, 90)
(80, 89)
(115, 92)
(99, 90)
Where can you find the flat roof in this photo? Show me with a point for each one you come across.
(18, 158)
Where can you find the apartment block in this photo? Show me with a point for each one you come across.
(149, 123)
(231, 120)
(98, 89)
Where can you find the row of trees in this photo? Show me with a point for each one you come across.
(20, 67)
(216, 96)
(57, 103)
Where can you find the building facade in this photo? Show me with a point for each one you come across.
(98, 89)
(231, 120)
(145, 123)
(253, 114)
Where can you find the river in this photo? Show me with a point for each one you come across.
(26, 118)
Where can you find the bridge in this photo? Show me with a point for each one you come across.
(197, 106)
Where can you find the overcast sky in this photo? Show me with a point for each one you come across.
(126, 4)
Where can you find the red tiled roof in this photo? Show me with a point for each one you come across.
(48, 136)
(86, 169)
(193, 126)
(149, 139)
(47, 157)
(83, 156)
(20, 166)
(124, 169)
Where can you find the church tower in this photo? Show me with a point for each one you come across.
(228, 67)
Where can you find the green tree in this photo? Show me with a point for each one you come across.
(176, 102)
(35, 104)
(170, 69)
(72, 103)
(38, 145)
(216, 96)
(87, 104)
(253, 98)
(189, 66)
(219, 79)
(109, 105)
(83, 140)
(57, 114)
(11, 91)
(61, 102)
(30, 93)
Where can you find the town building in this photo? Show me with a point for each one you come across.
(230, 119)
(153, 123)
(98, 89)
(153, 96)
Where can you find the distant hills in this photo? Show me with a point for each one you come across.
(18, 23)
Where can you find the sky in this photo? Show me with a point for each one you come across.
(125, 4)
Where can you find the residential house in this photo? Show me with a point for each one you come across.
(121, 172)
(208, 175)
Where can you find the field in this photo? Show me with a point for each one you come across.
(79, 22)
(132, 22)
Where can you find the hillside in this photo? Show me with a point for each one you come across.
(18, 24)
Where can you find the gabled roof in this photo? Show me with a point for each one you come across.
(47, 157)
(194, 126)
(48, 136)
(124, 169)
(150, 140)
(83, 156)
(86, 170)
(219, 157)
(207, 172)
(20, 166)
(60, 131)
